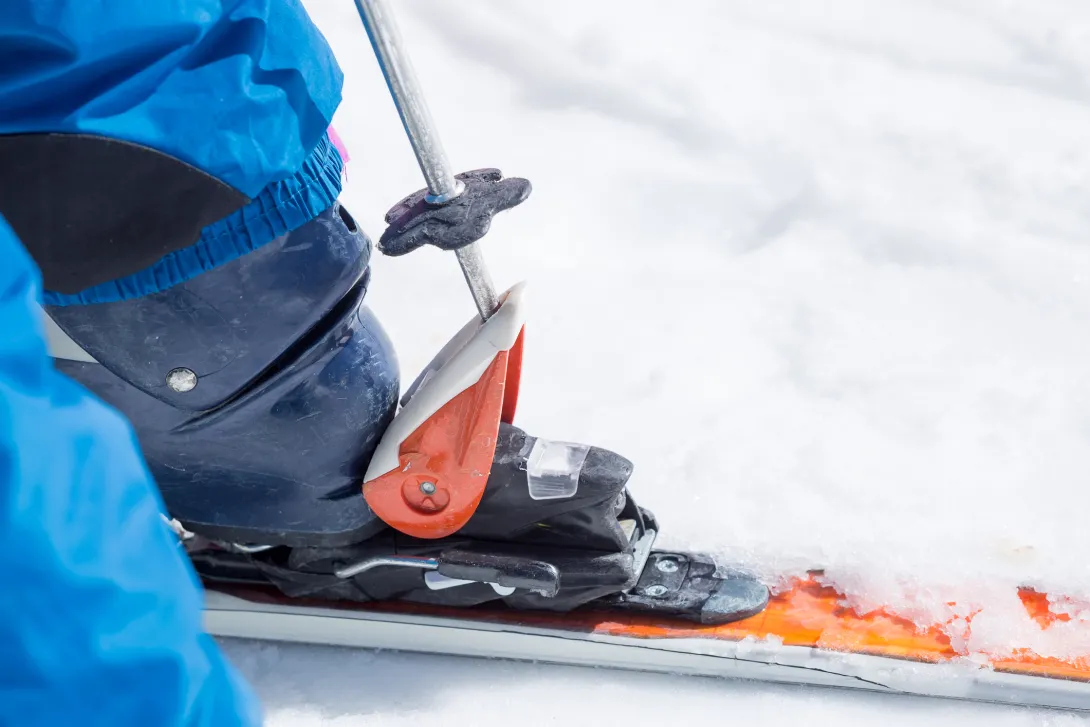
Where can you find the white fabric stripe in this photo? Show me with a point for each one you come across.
(61, 345)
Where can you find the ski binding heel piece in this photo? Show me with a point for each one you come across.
(430, 469)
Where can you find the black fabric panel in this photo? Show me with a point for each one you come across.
(90, 209)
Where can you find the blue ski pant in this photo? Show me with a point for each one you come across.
(228, 101)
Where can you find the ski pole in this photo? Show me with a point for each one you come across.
(430, 155)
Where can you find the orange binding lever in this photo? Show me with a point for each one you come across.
(430, 469)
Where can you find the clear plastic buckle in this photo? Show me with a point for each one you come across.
(552, 469)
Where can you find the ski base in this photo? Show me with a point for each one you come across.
(804, 637)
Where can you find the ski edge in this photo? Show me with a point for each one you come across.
(765, 661)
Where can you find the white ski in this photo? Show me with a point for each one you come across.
(765, 661)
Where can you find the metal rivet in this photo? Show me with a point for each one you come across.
(428, 488)
(655, 591)
(181, 380)
(667, 565)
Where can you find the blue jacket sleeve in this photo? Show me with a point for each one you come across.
(100, 613)
(242, 89)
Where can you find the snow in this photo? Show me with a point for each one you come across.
(820, 269)
(307, 687)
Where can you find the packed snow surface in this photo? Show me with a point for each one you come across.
(822, 270)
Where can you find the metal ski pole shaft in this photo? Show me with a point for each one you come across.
(430, 155)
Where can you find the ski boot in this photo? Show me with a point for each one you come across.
(265, 397)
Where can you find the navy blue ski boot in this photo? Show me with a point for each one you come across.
(258, 389)
(265, 393)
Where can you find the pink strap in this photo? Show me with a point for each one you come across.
(341, 148)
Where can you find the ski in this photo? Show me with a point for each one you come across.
(804, 636)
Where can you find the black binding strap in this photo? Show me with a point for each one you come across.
(90, 209)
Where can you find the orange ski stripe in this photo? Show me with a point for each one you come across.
(807, 615)
(811, 615)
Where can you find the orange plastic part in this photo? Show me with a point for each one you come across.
(443, 466)
(514, 375)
